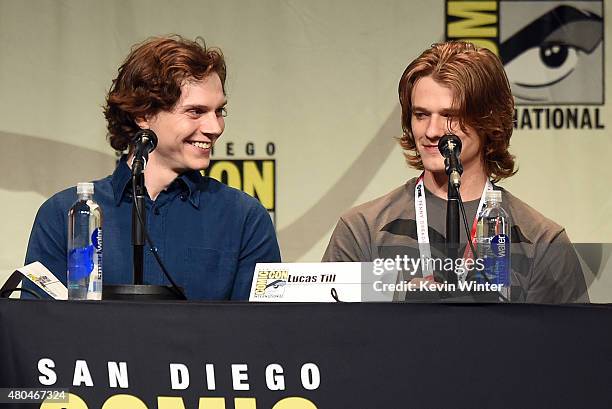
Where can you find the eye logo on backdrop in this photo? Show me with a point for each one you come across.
(552, 52)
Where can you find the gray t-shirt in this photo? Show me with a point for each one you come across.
(545, 268)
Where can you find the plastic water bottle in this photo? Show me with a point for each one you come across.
(493, 238)
(85, 246)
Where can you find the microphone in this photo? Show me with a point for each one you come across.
(450, 147)
(144, 142)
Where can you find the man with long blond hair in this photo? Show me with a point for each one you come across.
(456, 87)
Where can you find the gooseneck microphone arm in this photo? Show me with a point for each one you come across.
(450, 147)
(144, 142)
(452, 225)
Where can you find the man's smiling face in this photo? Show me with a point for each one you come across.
(187, 133)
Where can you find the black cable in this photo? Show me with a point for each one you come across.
(469, 240)
(9, 291)
(334, 295)
(153, 249)
(467, 229)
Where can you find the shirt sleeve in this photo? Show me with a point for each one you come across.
(350, 241)
(47, 242)
(557, 275)
(258, 245)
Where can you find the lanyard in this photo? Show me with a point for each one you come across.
(420, 208)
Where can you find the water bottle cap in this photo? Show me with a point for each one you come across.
(493, 196)
(85, 188)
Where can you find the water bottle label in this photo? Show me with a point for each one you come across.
(95, 279)
(96, 239)
(497, 263)
(500, 245)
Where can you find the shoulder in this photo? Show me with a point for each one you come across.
(64, 199)
(532, 224)
(230, 198)
(355, 232)
(60, 201)
(397, 201)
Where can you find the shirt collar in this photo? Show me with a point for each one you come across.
(191, 180)
(194, 181)
(121, 179)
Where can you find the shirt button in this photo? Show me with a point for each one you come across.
(183, 197)
(156, 211)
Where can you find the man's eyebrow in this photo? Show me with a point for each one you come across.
(449, 112)
(446, 111)
(538, 30)
(203, 107)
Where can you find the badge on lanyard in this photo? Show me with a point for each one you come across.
(420, 209)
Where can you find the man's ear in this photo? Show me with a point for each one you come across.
(143, 122)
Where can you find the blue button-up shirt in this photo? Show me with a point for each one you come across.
(208, 235)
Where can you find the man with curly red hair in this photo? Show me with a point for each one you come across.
(456, 87)
(210, 236)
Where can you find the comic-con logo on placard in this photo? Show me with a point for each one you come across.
(254, 175)
(552, 51)
(271, 283)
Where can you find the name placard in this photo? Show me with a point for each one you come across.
(316, 282)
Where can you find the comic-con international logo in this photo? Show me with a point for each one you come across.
(255, 174)
(271, 283)
(552, 52)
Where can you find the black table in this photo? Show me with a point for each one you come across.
(341, 355)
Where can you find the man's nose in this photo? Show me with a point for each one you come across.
(436, 127)
(212, 124)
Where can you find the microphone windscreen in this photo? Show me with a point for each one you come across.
(147, 137)
(449, 143)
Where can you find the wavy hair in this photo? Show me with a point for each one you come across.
(150, 81)
(482, 100)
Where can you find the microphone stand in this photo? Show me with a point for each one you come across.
(452, 227)
(140, 291)
(450, 147)
(138, 207)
